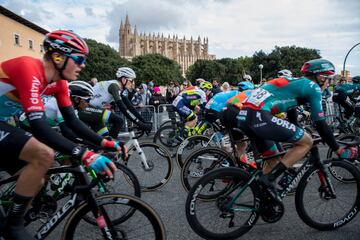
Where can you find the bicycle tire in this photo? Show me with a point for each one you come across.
(305, 212)
(167, 136)
(189, 144)
(131, 178)
(193, 205)
(356, 161)
(195, 161)
(161, 166)
(142, 209)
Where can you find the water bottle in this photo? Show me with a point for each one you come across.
(226, 144)
(218, 137)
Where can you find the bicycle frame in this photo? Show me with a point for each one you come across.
(133, 142)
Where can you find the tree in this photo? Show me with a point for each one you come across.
(206, 69)
(156, 67)
(102, 62)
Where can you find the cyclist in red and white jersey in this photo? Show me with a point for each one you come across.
(23, 80)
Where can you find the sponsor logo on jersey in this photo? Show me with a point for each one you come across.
(283, 123)
(321, 114)
(34, 108)
(35, 115)
(3, 135)
(35, 84)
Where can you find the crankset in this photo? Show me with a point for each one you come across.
(222, 203)
(272, 211)
(42, 207)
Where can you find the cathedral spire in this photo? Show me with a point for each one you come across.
(127, 22)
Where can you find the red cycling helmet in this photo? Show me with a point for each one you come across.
(66, 42)
(318, 66)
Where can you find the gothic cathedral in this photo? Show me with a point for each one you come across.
(183, 51)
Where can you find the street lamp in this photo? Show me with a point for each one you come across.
(261, 67)
(347, 56)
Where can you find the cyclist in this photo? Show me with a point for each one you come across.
(190, 102)
(117, 91)
(342, 95)
(284, 73)
(247, 77)
(23, 80)
(257, 119)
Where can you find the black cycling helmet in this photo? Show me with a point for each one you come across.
(80, 89)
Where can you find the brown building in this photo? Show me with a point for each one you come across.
(19, 36)
(183, 51)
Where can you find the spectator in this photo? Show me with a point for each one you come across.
(157, 98)
(150, 87)
(198, 81)
(216, 87)
(171, 92)
(93, 81)
(225, 87)
(142, 97)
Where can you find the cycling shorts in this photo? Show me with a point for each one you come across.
(12, 141)
(267, 129)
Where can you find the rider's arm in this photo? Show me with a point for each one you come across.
(326, 134)
(126, 107)
(68, 133)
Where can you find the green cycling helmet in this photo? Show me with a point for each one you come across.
(318, 66)
(356, 79)
(206, 85)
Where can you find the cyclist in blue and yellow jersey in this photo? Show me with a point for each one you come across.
(190, 102)
(342, 95)
(256, 118)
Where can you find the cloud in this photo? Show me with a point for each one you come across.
(234, 28)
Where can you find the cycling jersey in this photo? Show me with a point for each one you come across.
(282, 94)
(106, 92)
(218, 102)
(186, 101)
(347, 88)
(22, 83)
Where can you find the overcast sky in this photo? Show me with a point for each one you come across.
(234, 27)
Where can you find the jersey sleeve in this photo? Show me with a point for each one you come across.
(62, 94)
(28, 82)
(313, 94)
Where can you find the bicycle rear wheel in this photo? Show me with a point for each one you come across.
(315, 204)
(168, 136)
(144, 224)
(201, 162)
(160, 166)
(228, 216)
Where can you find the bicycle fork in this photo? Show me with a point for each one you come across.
(326, 189)
(144, 161)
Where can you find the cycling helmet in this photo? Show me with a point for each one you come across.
(80, 89)
(247, 78)
(66, 42)
(206, 85)
(245, 85)
(199, 81)
(356, 79)
(318, 66)
(125, 72)
(284, 73)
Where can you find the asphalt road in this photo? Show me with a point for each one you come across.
(170, 200)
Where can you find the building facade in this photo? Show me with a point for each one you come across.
(183, 51)
(19, 36)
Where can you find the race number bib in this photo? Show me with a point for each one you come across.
(258, 96)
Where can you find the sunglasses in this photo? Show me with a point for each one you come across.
(86, 99)
(79, 60)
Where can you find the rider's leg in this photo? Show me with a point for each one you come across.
(39, 158)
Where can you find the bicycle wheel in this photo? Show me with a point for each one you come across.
(228, 216)
(159, 162)
(190, 145)
(168, 136)
(315, 204)
(201, 162)
(356, 161)
(144, 224)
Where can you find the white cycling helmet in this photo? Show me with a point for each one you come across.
(284, 73)
(80, 89)
(247, 78)
(125, 72)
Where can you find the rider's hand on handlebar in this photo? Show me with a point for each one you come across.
(117, 146)
(99, 163)
(347, 153)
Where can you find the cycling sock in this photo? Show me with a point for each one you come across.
(15, 220)
(276, 171)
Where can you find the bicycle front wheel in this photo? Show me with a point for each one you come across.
(229, 216)
(144, 224)
(159, 169)
(315, 204)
